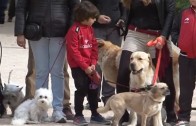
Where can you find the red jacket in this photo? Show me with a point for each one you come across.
(187, 36)
(81, 46)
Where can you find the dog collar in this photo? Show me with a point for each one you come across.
(155, 100)
(147, 88)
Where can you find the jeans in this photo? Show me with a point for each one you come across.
(49, 55)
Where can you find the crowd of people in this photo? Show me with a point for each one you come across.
(68, 36)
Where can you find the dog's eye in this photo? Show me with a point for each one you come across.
(40, 96)
(46, 97)
(12, 96)
(140, 59)
(131, 58)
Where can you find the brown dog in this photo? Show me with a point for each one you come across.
(146, 104)
(109, 58)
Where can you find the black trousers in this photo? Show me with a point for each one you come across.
(123, 79)
(11, 9)
(82, 82)
(3, 6)
(187, 70)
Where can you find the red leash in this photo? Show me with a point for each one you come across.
(152, 43)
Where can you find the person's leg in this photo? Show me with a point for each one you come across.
(66, 102)
(40, 51)
(187, 70)
(56, 65)
(11, 10)
(30, 77)
(81, 82)
(3, 6)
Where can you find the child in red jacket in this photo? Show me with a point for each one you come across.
(183, 35)
(82, 56)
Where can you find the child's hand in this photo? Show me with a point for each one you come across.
(88, 70)
(93, 67)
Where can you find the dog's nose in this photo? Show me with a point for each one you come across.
(132, 65)
(42, 101)
(8, 103)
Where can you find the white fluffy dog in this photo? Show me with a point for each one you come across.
(34, 110)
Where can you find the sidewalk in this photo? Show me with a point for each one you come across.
(15, 58)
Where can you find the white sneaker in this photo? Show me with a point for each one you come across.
(58, 117)
(182, 123)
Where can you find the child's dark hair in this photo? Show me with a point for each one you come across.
(85, 10)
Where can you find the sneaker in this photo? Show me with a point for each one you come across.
(80, 121)
(182, 123)
(58, 117)
(68, 113)
(98, 119)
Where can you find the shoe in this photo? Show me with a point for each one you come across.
(80, 121)
(68, 113)
(182, 123)
(98, 119)
(58, 117)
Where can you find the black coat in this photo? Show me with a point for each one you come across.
(166, 12)
(53, 15)
(112, 8)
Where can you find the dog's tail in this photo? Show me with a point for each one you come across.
(18, 122)
(106, 108)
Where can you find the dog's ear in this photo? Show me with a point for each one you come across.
(100, 43)
(150, 59)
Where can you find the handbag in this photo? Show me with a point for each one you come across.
(33, 31)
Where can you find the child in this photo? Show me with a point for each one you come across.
(183, 35)
(82, 57)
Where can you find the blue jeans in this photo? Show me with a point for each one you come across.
(45, 52)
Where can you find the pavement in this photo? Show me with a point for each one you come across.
(15, 58)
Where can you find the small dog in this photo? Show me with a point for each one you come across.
(13, 96)
(34, 110)
(141, 70)
(146, 104)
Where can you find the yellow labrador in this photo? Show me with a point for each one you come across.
(141, 70)
(146, 104)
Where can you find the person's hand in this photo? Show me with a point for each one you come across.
(88, 70)
(92, 67)
(120, 23)
(21, 41)
(103, 19)
(159, 42)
